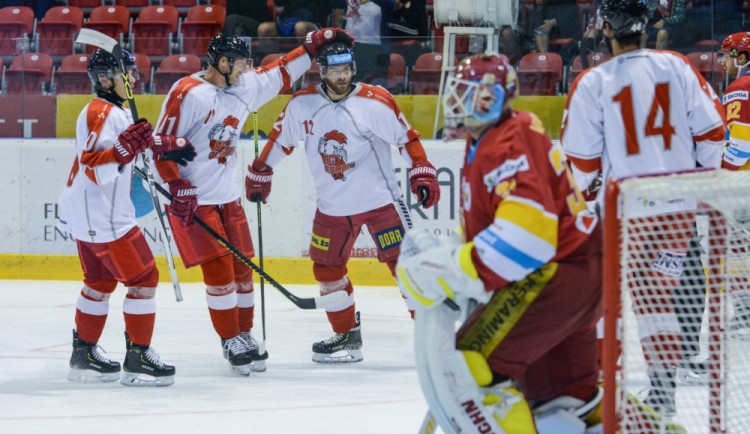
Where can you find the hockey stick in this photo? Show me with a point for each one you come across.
(100, 40)
(321, 302)
(262, 346)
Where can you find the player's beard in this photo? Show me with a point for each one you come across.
(340, 86)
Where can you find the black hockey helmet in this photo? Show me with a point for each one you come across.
(626, 17)
(231, 47)
(102, 64)
(335, 53)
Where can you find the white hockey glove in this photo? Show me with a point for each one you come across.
(431, 269)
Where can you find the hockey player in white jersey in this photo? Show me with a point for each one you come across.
(646, 112)
(209, 108)
(96, 208)
(349, 131)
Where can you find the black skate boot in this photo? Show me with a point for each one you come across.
(259, 355)
(661, 395)
(237, 351)
(143, 368)
(88, 365)
(350, 343)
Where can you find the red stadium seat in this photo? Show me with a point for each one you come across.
(143, 63)
(15, 22)
(425, 77)
(152, 32)
(201, 24)
(397, 74)
(72, 76)
(28, 73)
(55, 32)
(183, 6)
(540, 73)
(173, 68)
(113, 21)
(87, 6)
(577, 67)
(705, 63)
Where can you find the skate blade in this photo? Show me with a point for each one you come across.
(346, 356)
(258, 366)
(133, 379)
(243, 370)
(89, 376)
(740, 334)
(687, 376)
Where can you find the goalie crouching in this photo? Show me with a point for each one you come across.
(526, 280)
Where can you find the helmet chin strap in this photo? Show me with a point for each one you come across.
(739, 67)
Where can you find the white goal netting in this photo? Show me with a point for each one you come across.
(678, 276)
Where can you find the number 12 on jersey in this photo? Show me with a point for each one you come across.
(660, 102)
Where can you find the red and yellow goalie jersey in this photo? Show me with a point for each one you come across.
(519, 203)
(737, 108)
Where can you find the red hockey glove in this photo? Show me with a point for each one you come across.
(258, 181)
(184, 200)
(315, 40)
(424, 183)
(133, 141)
(177, 149)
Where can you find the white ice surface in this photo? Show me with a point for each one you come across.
(378, 395)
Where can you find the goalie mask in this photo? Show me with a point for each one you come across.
(235, 49)
(103, 66)
(478, 93)
(734, 45)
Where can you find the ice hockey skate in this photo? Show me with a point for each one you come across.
(143, 368)
(259, 355)
(341, 347)
(692, 369)
(238, 353)
(88, 365)
(661, 395)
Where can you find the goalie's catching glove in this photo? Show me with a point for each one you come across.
(315, 40)
(424, 183)
(431, 269)
(135, 139)
(258, 181)
(177, 149)
(184, 200)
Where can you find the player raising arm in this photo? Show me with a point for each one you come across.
(349, 131)
(209, 108)
(531, 254)
(96, 208)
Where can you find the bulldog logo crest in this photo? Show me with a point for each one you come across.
(331, 150)
(221, 137)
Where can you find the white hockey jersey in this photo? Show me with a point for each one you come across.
(348, 146)
(211, 118)
(641, 112)
(95, 205)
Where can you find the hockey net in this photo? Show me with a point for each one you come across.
(676, 349)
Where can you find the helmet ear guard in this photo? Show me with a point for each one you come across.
(231, 47)
(625, 17)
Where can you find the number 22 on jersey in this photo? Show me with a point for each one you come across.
(659, 103)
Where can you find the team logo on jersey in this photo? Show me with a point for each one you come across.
(465, 195)
(331, 150)
(221, 138)
(736, 95)
(506, 170)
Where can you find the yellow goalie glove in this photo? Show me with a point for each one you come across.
(431, 269)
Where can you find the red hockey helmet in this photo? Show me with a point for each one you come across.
(476, 93)
(735, 44)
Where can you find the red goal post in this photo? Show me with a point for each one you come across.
(676, 275)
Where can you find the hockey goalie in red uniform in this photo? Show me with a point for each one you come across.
(531, 258)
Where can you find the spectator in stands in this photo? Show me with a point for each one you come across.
(712, 23)
(244, 17)
(367, 22)
(515, 44)
(298, 18)
(552, 19)
(408, 22)
(664, 16)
